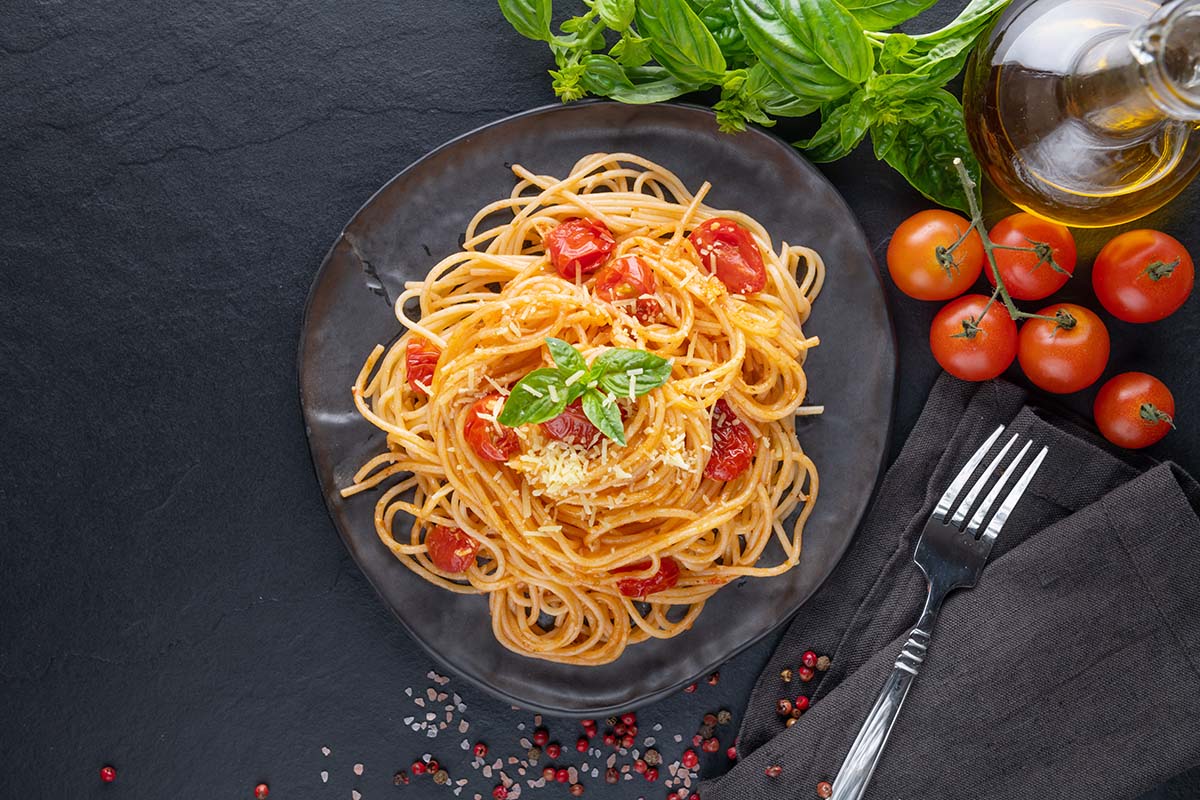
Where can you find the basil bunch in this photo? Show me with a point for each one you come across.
(617, 372)
(782, 58)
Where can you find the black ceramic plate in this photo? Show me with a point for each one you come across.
(417, 218)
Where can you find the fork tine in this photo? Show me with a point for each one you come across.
(993, 528)
(960, 480)
(981, 513)
(964, 507)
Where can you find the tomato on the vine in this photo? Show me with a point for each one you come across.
(727, 250)
(971, 343)
(1134, 410)
(489, 439)
(578, 246)
(666, 576)
(1042, 267)
(1066, 352)
(450, 549)
(1143, 276)
(921, 261)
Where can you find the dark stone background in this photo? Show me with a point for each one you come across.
(174, 599)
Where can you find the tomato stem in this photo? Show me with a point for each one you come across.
(1152, 415)
(1157, 270)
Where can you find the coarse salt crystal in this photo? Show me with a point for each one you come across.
(325, 751)
(463, 725)
(324, 776)
(358, 769)
(431, 693)
(355, 794)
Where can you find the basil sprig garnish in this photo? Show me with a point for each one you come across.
(616, 373)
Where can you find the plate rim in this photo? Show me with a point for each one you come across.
(481, 681)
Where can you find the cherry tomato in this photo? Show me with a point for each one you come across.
(1028, 275)
(733, 445)
(921, 263)
(666, 577)
(572, 426)
(450, 549)
(729, 247)
(1143, 276)
(1066, 355)
(627, 278)
(970, 344)
(489, 439)
(578, 246)
(420, 360)
(1134, 410)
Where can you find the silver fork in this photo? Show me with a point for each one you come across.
(951, 558)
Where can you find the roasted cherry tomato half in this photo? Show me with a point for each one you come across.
(666, 577)
(572, 426)
(578, 246)
(1066, 353)
(450, 549)
(489, 439)
(970, 344)
(1143, 276)
(1134, 410)
(420, 360)
(733, 445)
(728, 250)
(629, 278)
(920, 260)
(1029, 275)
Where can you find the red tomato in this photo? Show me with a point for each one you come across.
(572, 426)
(420, 360)
(450, 549)
(626, 278)
(1143, 276)
(921, 263)
(1134, 410)
(733, 445)
(1024, 277)
(1066, 355)
(972, 345)
(578, 246)
(729, 247)
(666, 577)
(489, 439)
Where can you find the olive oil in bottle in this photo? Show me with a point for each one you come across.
(1087, 112)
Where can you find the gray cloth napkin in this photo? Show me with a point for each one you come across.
(1071, 671)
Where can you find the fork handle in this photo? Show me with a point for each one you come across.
(860, 762)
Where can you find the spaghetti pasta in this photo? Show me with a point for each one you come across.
(586, 547)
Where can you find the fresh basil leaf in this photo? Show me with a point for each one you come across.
(841, 130)
(612, 369)
(773, 98)
(679, 41)
(957, 36)
(739, 104)
(925, 142)
(605, 415)
(718, 17)
(789, 57)
(566, 357)
(879, 15)
(603, 76)
(616, 14)
(530, 18)
(883, 135)
(533, 398)
(631, 50)
(822, 27)
(895, 47)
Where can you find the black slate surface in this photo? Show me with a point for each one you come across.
(174, 599)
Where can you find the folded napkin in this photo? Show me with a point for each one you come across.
(1072, 670)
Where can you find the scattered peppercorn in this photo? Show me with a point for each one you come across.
(534, 754)
(651, 774)
(824, 789)
(500, 792)
(802, 703)
(441, 777)
(786, 675)
(480, 750)
(710, 719)
(400, 778)
(581, 744)
(694, 796)
(689, 759)
(790, 721)
(783, 707)
(724, 716)
(805, 673)
(612, 721)
(773, 771)
(629, 718)
(554, 750)
(611, 775)
(714, 679)
(261, 791)
(823, 663)
(619, 729)
(696, 740)
(731, 753)
(418, 768)
(707, 731)
(108, 774)
(809, 659)
(639, 766)
(588, 723)
(561, 775)
(610, 739)
(710, 745)
(576, 789)
(541, 736)
(433, 765)
(653, 757)
(691, 687)
(548, 773)
(627, 741)
(631, 730)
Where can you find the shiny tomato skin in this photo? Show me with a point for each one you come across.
(1137, 279)
(572, 426)
(1023, 278)
(450, 549)
(578, 246)
(739, 262)
(1064, 360)
(1134, 410)
(912, 255)
(420, 360)
(626, 278)
(491, 441)
(733, 445)
(665, 578)
(980, 357)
